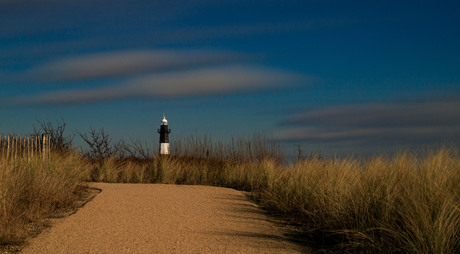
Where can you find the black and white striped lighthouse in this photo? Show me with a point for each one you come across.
(164, 136)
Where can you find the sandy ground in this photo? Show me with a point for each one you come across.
(157, 218)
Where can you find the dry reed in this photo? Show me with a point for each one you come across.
(33, 188)
(406, 203)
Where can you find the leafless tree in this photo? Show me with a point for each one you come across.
(59, 142)
(101, 145)
(138, 150)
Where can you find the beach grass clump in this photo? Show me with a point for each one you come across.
(408, 203)
(34, 188)
(253, 148)
(400, 204)
(405, 203)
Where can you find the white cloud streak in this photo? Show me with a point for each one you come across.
(198, 82)
(369, 135)
(126, 63)
(402, 114)
(411, 122)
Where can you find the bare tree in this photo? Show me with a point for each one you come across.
(138, 150)
(100, 145)
(59, 142)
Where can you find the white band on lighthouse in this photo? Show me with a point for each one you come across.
(164, 148)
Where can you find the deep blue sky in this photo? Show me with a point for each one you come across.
(339, 76)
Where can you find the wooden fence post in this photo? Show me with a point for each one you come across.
(28, 149)
(8, 148)
(20, 148)
(36, 144)
(14, 148)
(1, 145)
(31, 146)
(39, 145)
(46, 145)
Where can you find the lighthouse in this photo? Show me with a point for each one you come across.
(164, 136)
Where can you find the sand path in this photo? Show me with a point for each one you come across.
(157, 218)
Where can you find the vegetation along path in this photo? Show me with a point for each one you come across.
(158, 218)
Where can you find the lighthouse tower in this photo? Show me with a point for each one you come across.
(164, 136)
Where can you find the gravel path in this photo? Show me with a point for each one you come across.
(157, 218)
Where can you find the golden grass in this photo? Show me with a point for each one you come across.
(32, 189)
(384, 205)
(406, 203)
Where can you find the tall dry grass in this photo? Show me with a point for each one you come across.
(31, 189)
(406, 203)
(238, 150)
(400, 204)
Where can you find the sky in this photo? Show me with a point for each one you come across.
(335, 77)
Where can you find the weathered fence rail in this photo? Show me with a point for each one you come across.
(12, 147)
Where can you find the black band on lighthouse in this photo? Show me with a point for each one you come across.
(164, 134)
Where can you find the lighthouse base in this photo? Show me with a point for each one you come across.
(164, 148)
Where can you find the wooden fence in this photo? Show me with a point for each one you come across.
(12, 147)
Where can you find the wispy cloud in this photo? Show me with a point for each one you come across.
(125, 63)
(253, 29)
(433, 113)
(197, 82)
(414, 122)
(368, 136)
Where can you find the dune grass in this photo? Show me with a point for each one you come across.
(384, 205)
(32, 189)
(406, 203)
(402, 204)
